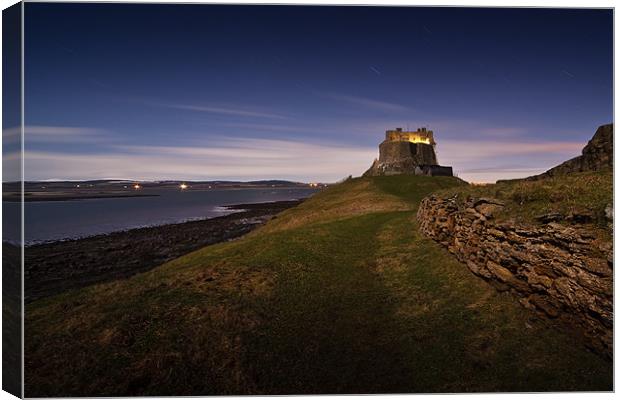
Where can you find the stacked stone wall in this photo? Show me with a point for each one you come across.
(563, 272)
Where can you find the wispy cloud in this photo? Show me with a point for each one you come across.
(375, 70)
(275, 127)
(368, 103)
(477, 149)
(486, 160)
(494, 153)
(51, 134)
(11, 134)
(565, 72)
(240, 158)
(238, 111)
(503, 131)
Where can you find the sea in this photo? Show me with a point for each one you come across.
(47, 221)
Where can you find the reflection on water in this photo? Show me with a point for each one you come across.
(56, 220)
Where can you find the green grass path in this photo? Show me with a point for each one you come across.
(331, 297)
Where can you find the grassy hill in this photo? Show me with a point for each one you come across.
(338, 295)
(585, 194)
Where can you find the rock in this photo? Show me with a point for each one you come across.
(544, 304)
(549, 217)
(475, 268)
(502, 273)
(561, 271)
(609, 212)
(526, 232)
(597, 155)
(487, 200)
(488, 209)
(580, 217)
(538, 281)
(496, 233)
(597, 266)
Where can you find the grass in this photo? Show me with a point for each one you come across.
(525, 200)
(339, 295)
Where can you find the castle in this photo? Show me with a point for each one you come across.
(420, 136)
(408, 152)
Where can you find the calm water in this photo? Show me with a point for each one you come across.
(55, 220)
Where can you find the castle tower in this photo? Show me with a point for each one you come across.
(408, 152)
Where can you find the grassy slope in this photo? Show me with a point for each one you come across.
(339, 295)
(577, 192)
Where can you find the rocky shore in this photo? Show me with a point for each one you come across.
(52, 268)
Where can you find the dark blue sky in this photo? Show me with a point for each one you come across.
(306, 93)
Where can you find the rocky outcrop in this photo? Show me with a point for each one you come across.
(598, 155)
(563, 272)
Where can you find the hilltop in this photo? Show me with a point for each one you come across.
(340, 294)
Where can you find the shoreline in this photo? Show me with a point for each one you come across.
(228, 210)
(54, 267)
(86, 194)
(32, 199)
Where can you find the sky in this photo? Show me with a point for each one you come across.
(205, 92)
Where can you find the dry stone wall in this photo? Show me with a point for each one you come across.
(563, 272)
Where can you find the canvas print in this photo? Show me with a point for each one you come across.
(233, 199)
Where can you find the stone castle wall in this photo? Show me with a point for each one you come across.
(396, 157)
(400, 154)
(419, 153)
(562, 272)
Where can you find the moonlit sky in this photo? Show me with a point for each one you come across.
(203, 92)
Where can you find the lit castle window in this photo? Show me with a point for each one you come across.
(420, 136)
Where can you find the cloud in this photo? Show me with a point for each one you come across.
(368, 103)
(277, 128)
(370, 130)
(502, 132)
(222, 110)
(565, 72)
(11, 134)
(375, 70)
(247, 158)
(51, 134)
(477, 149)
(487, 161)
(240, 158)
